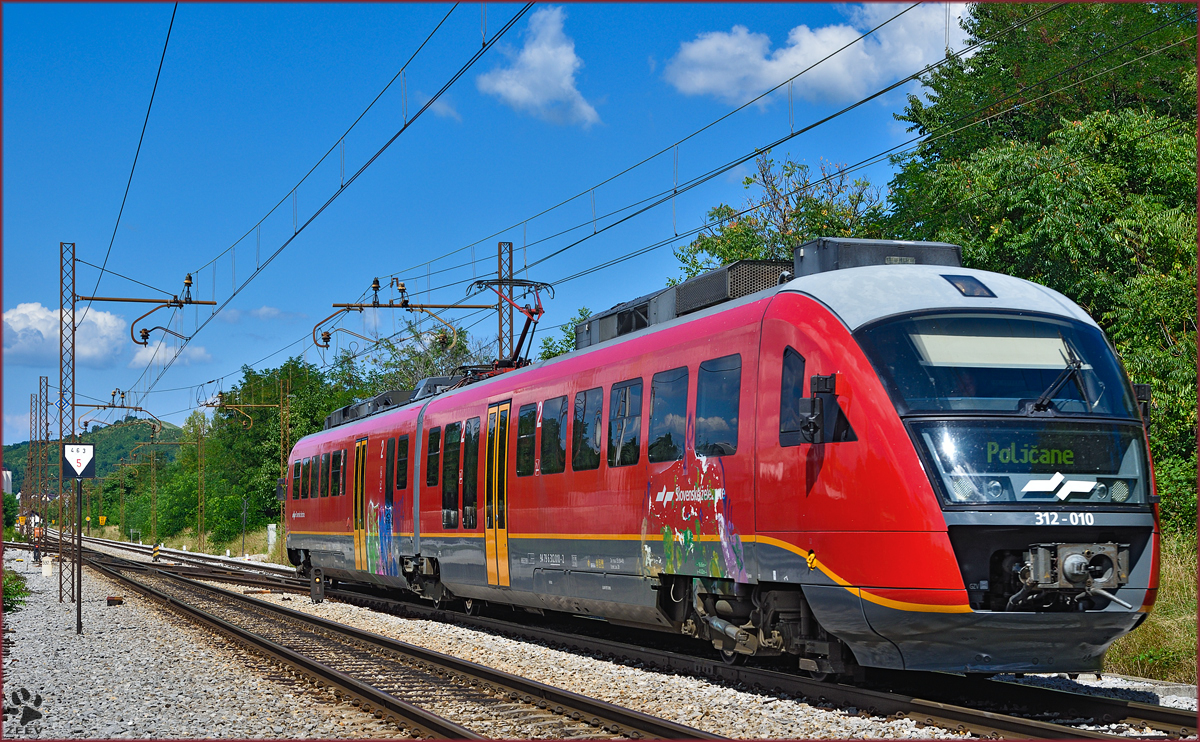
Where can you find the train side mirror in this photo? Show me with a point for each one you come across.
(1143, 394)
(281, 489)
(811, 411)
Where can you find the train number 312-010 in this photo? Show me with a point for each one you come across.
(1054, 519)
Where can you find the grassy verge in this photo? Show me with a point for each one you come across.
(1164, 647)
(256, 542)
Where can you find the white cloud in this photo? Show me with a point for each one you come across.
(230, 315)
(738, 65)
(152, 352)
(540, 79)
(444, 108)
(194, 354)
(267, 313)
(16, 428)
(31, 336)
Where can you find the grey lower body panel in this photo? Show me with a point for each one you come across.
(980, 641)
(1016, 641)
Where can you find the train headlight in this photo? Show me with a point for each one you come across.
(1120, 491)
(985, 489)
(962, 489)
(1101, 491)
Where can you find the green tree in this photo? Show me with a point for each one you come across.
(1003, 81)
(792, 204)
(565, 342)
(1104, 213)
(10, 510)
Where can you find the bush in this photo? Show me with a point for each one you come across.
(15, 591)
(1176, 479)
(1164, 647)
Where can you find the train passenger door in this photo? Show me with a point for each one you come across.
(496, 496)
(360, 488)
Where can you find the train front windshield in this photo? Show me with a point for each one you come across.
(1062, 427)
(997, 364)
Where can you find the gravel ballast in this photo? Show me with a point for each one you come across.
(691, 701)
(139, 670)
(685, 700)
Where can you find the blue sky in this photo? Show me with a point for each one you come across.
(252, 96)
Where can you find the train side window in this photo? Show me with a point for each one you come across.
(585, 438)
(389, 474)
(625, 423)
(296, 479)
(402, 463)
(718, 389)
(470, 487)
(450, 455)
(335, 473)
(668, 415)
(554, 435)
(324, 475)
(526, 439)
(345, 466)
(304, 474)
(432, 454)
(790, 393)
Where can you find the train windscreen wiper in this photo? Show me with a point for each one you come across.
(1073, 367)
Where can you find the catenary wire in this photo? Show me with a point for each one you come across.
(463, 70)
(665, 196)
(926, 138)
(119, 275)
(661, 152)
(339, 140)
(717, 171)
(667, 241)
(137, 152)
(687, 186)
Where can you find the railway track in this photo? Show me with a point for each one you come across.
(980, 706)
(426, 693)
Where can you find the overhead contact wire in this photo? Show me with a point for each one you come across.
(137, 152)
(463, 70)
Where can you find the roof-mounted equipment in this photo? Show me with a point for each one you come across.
(834, 253)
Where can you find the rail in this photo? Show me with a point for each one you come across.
(941, 702)
(588, 712)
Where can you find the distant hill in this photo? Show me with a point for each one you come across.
(113, 442)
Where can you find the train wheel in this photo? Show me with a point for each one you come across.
(820, 677)
(730, 657)
(472, 607)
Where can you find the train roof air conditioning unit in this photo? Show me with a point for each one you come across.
(834, 253)
(732, 281)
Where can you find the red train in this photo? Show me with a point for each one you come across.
(885, 461)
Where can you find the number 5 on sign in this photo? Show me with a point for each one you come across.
(80, 458)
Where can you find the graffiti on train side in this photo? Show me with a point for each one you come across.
(380, 557)
(689, 507)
